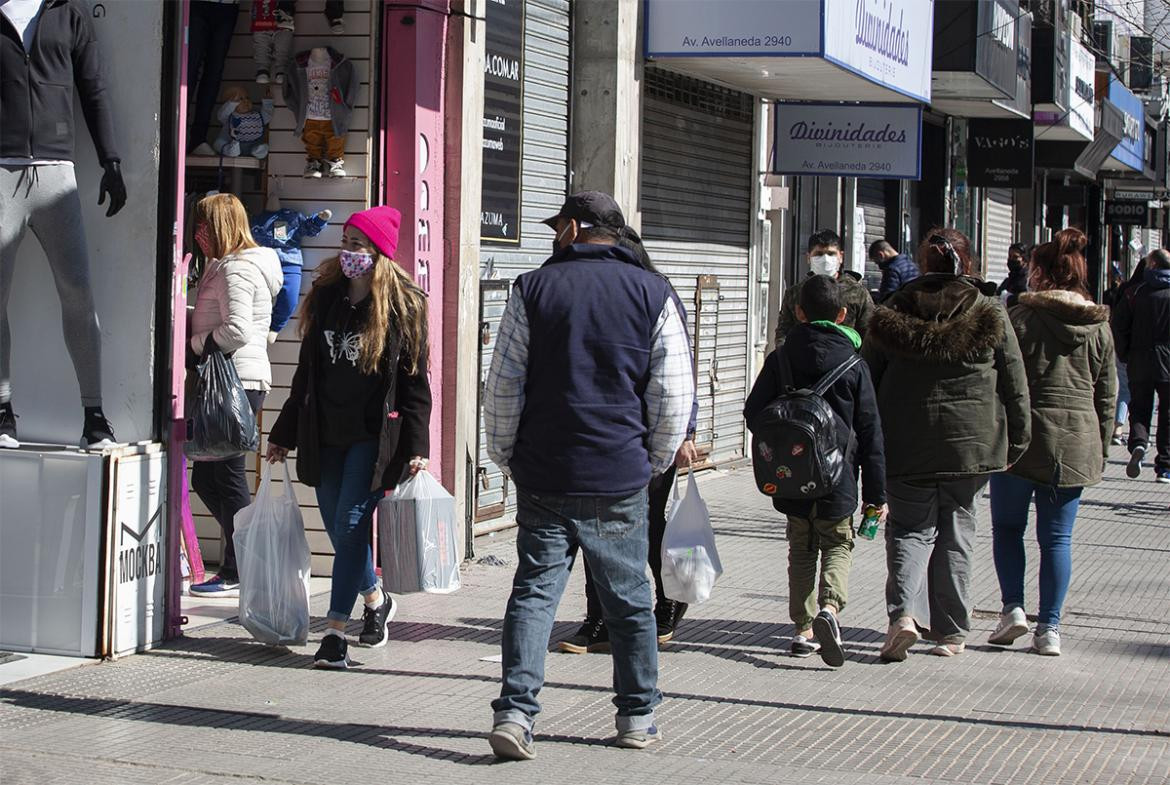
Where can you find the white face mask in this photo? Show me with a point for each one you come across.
(825, 265)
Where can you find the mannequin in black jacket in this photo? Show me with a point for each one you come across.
(44, 46)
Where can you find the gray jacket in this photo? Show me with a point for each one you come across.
(343, 89)
(234, 304)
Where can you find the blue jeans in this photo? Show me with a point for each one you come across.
(1056, 512)
(347, 508)
(612, 533)
(1122, 395)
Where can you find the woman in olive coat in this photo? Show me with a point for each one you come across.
(1072, 379)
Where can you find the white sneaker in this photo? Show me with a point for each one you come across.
(1046, 641)
(1012, 624)
(204, 149)
(336, 168)
(312, 168)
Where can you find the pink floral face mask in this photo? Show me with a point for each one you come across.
(203, 239)
(355, 264)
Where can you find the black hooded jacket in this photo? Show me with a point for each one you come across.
(813, 351)
(36, 87)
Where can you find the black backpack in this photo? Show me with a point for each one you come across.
(795, 450)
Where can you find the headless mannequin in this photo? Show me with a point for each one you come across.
(40, 193)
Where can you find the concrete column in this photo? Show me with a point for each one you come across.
(464, 165)
(607, 102)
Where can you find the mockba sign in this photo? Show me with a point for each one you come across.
(866, 140)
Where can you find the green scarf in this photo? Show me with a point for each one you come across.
(848, 332)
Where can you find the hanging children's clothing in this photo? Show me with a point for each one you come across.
(284, 230)
(321, 91)
(273, 23)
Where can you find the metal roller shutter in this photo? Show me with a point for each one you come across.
(696, 208)
(871, 198)
(999, 222)
(544, 181)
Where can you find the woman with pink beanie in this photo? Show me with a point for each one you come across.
(358, 413)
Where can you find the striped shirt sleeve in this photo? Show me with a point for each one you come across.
(671, 389)
(503, 399)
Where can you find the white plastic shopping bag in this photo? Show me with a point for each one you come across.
(417, 538)
(690, 562)
(274, 562)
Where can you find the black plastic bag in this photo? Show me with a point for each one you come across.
(220, 422)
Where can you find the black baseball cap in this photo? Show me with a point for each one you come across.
(590, 208)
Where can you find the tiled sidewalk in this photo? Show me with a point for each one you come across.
(216, 708)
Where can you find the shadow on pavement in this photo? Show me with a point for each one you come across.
(378, 736)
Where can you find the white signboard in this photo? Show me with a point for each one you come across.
(886, 41)
(861, 140)
(730, 28)
(1082, 67)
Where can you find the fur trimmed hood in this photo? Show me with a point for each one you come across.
(1065, 316)
(1068, 306)
(940, 319)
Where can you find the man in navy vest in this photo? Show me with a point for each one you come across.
(588, 396)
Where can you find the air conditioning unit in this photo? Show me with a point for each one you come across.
(1103, 41)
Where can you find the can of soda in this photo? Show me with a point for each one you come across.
(869, 523)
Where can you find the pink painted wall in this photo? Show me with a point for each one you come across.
(413, 77)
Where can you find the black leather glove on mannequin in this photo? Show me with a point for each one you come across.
(113, 187)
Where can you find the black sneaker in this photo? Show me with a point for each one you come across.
(1133, 469)
(803, 647)
(828, 634)
(592, 637)
(375, 623)
(8, 427)
(333, 653)
(97, 434)
(667, 615)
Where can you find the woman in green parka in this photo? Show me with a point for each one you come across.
(1072, 379)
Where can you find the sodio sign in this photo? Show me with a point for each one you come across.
(875, 141)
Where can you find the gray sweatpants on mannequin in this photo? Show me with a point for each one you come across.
(271, 50)
(45, 199)
(930, 537)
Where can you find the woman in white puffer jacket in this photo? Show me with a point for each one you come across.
(233, 309)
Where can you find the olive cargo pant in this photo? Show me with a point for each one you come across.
(832, 541)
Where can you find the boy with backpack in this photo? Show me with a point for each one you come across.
(814, 419)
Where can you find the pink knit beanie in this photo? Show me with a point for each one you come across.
(380, 224)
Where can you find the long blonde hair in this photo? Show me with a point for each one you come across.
(393, 296)
(227, 223)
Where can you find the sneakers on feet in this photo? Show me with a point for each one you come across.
(1133, 469)
(511, 741)
(1163, 475)
(948, 649)
(97, 433)
(312, 168)
(218, 586)
(591, 637)
(203, 148)
(828, 634)
(8, 427)
(1012, 624)
(375, 623)
(1046, 641)
(638, 739)
(899, 638)
(803, 647)
(336, 168)
(667, 615)
(262, 77)
(333, 653)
